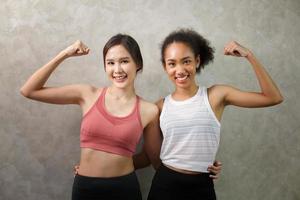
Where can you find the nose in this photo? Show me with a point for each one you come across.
(180, 69)
(118, 68)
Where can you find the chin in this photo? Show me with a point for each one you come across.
(182, 85)
(121, 85)
(185, 85)
(118, 85)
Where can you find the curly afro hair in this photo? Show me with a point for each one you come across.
(199, 45)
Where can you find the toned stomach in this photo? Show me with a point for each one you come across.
(94, 163)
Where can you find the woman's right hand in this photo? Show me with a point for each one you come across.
(78, 48)
(35, 88)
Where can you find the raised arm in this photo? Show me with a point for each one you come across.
(72, 94)
(269, 95)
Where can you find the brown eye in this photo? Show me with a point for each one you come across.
(187, 62)
(125, 61)
(171, 64)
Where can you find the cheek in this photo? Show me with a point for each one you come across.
(131, 69)
(192, 68)
(170, 72)
(108, 71)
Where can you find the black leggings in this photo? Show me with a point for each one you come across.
(115, 188)
(168, 184)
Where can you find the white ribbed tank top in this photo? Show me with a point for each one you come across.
(191, 132)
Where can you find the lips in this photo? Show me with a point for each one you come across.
(182, 78)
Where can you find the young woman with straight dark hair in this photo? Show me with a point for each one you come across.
(113, 118)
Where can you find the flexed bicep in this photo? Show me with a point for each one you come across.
(236, 97)
(69, 94)
(268, 96)
(34, 88)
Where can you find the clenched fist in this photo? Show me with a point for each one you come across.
(235, 49)
(76, 49)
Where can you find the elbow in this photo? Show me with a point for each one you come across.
(24, 93)
(156, 166)
(277, 100)
(156, 163)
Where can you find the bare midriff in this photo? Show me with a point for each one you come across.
(95, 163)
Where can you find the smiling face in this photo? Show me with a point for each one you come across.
(120, 67)
(180, 64)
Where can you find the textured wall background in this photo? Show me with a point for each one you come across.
(40, 142)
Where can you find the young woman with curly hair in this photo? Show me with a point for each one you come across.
(190, 117)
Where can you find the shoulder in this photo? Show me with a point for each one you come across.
(218, 93)
(148, 112)
(218, 90)
(148, 109)
(89, 88)
(160, 103)
(89, 92)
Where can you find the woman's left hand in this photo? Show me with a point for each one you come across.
(215, 169)
(235, 49)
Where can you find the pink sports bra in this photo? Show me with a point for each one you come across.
(102, 131)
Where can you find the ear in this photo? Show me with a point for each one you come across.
(198, 61)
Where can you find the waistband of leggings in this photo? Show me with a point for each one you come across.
(126, 176)
(172, 171)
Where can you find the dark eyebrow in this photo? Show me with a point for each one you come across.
(188, 57)
(171, 60)
(109, 60)
(123, 58)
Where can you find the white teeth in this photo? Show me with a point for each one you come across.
(120, 77)
(182, 78)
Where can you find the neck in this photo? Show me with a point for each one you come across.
(121, 93)
(187, 92)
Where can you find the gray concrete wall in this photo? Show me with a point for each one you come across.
(40, 142)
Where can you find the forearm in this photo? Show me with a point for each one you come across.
(40, 77)
(141, 160)
(267, 85)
